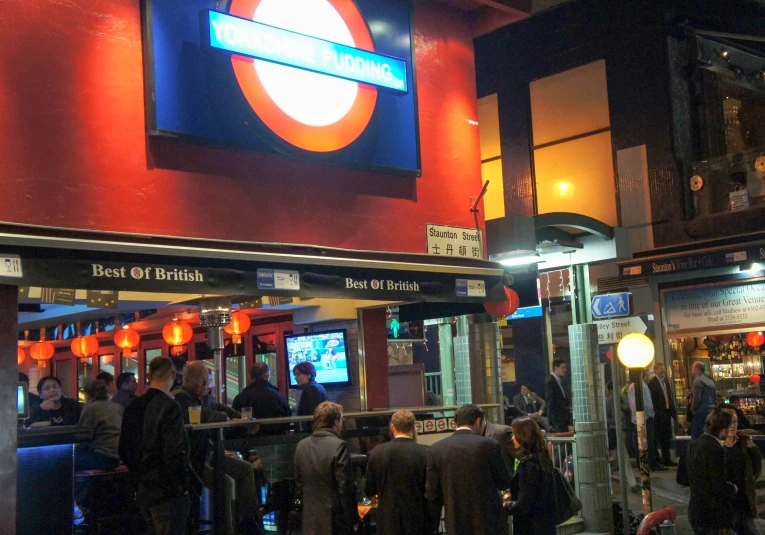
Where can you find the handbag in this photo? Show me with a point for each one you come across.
(566, 502)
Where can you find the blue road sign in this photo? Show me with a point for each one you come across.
(611, 305)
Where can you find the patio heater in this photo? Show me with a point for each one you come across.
(216, 314)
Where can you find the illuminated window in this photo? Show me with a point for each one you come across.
(573, 156)
(491, 157)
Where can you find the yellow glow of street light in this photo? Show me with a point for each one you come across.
(635, 351)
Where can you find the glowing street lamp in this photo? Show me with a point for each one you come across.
(636, 352)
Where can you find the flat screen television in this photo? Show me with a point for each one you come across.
(22, 399)
(327, 351)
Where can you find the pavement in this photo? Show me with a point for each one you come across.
(665, 492)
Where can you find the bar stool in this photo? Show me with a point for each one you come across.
(110, 504)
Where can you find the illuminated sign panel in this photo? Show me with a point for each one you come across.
(265, 42)
(327, 80)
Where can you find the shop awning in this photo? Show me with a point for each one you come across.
(60, 258)
(745, 250)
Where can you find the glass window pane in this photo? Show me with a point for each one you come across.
(84, 374)
(494, 200)
(236, 376)
(64, 370)
(569, 103)
(151, 354)
(106, 363)
(488, 127)
(577, 176)
(130, 365)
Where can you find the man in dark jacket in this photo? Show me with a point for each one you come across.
(710, 508)
(126, 387)
(704, 398)
(529, 404)
(504, 435)
(558, 400)
(193, 394)
(397, 472)
(664, 412)
(266, 401)
(466, 475)
(154, 447)
(326, 484)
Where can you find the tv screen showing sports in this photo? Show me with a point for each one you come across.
(327, 351)
(22, 399)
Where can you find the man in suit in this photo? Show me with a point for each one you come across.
(504, 435)
(266, 401)
(325, 479)
(558, 400)
(397, 472)
(710, 509)
(531, 405)
(664, 411)
(466, 475)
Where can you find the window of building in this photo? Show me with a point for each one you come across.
(572, 152)
(491, 156)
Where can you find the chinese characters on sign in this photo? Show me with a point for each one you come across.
(454, 241)
(610, 332)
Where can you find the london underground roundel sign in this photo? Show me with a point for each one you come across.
(308, 68)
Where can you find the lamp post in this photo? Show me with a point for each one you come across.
(635, 352)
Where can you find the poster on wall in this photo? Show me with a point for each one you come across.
(714, 308)
(326, 80)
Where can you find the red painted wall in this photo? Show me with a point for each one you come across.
(73, 151)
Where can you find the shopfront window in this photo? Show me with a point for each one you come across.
(64, 371)
(84, 375)
(106, 363)
(730, 176)
(130, 365)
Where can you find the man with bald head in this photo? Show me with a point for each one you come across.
(193, 393)
(266, 401)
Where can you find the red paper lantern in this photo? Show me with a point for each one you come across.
(22, 355)
(84, 346)
(754, 378)
(42, 352)
(505, 308)
(240, 324)
(609, 356)
(755, 339)
(177, 334)
(127, 339)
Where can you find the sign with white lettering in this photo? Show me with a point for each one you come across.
(10, 266)
(454, 241)
(612, 331)
(667, 265)
(714, 307)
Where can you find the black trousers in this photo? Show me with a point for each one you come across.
(662, 434)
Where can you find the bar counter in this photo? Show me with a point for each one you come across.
(44, 496)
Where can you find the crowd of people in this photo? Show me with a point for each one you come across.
(464, 475)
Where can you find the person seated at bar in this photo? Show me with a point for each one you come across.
(529, 404)
(108, 380)
(193, 393)
(313, 394)
(55, 407)
(34, 399)
(266, 401)
(326, 485)
(104, 418)
(126, 387)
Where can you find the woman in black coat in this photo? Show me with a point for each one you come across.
(532, 486)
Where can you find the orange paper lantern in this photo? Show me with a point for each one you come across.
(240, 324)
(177, 334)
(22, 355)
(505, 308)
(84, 346)
(754, 378)
(755, 339)
(42, 352)
(127, 339)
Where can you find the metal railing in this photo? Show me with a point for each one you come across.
(565, 459)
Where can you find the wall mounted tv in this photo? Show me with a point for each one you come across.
(327, 351)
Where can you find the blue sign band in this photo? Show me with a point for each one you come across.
(260, 41)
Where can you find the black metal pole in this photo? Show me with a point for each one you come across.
(219, 504)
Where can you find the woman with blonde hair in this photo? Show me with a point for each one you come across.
(532, 486)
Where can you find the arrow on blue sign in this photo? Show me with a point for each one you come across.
(611, 305)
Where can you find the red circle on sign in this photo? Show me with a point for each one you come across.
(327, 138)
(429, 425)
(441, 425)
(504, 308)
